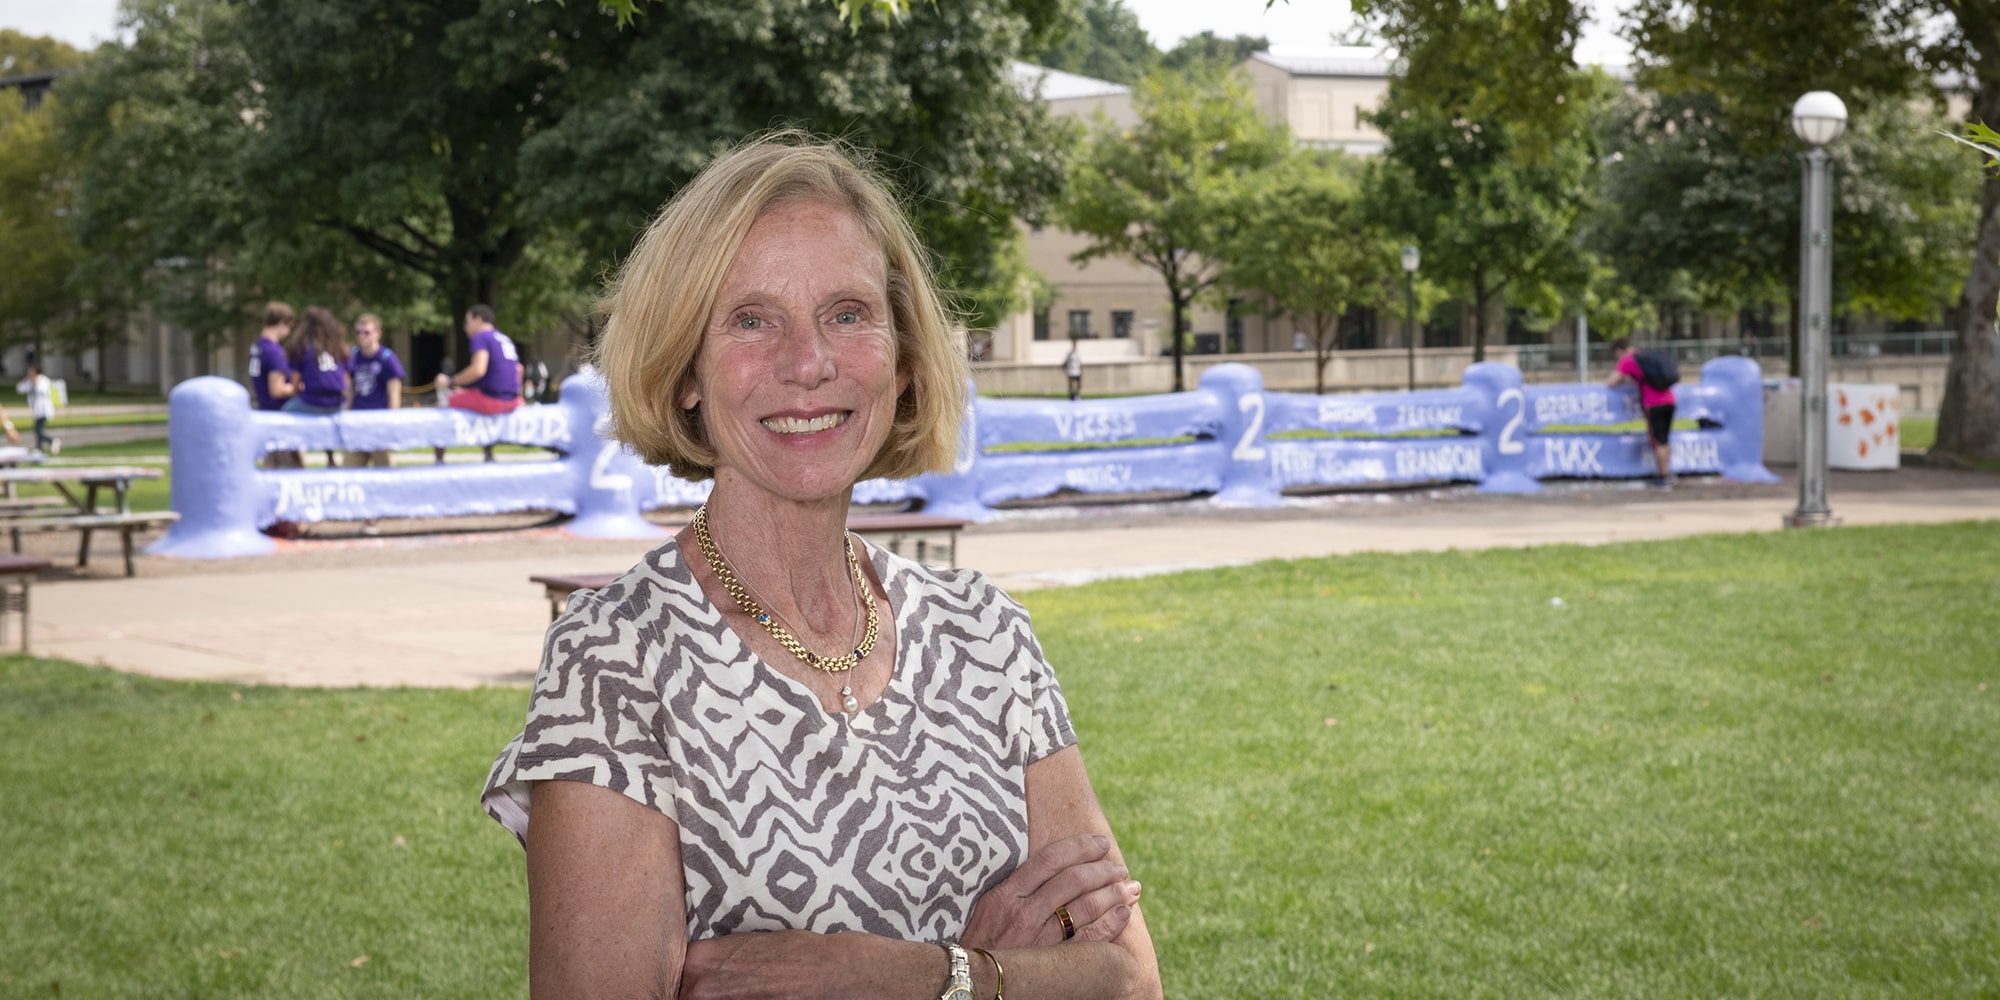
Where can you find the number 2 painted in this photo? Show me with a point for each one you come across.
(1508, 445)
(1246, 449)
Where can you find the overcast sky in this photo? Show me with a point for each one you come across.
(84, 23)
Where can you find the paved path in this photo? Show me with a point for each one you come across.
(463, 614)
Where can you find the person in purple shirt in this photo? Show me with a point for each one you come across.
(270, 371)
(491, 381)
(319, 363)
(378, 381)
(1658, 405)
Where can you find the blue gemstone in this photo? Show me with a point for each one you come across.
(763, 619)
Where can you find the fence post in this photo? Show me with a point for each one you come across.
(1246, 461)
(1503, 422)
(605, 477)
(1739, 392)
(211, 445)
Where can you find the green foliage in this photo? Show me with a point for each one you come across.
(22, 53)
(37, 193)
(1160, 194)
(1207, 48)
(1305, 239)
(1102, 39)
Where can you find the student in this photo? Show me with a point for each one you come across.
(319, 365)
(491, 381)
(1658, 405)
(378, 376)
(1073, 368)
(41, 406)
(270, 371)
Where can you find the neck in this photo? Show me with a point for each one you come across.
(791, 554)
(274, 333)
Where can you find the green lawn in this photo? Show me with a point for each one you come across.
(105, 419)
(1919, 433)
(1729, 766)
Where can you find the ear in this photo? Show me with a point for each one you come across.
(689, 396)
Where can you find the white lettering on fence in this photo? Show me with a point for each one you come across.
(1098, 478)
(1452, 461)
(1578, 407)
(1302, 465)
(1341, 412)
(308, 501)
(543, 425)
(1572, 456)
(1409, 415)
(1096, 426)
(1693, 454)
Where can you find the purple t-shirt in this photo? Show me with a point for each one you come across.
(372, 376)
(323, 379)
(1649, 397)
(503, 364)
(266, 357)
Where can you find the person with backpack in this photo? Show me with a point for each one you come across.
(1655, 373)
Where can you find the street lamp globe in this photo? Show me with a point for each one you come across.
(1819, 117)
(1410, 259)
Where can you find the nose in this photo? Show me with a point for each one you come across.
(807, 359)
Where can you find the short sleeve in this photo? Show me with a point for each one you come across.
(595, 715)
(392, 366)
(1049, 728)
(1627, 365)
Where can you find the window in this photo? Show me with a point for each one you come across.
(1041, 324)
(1121, 323)
(1079, 324)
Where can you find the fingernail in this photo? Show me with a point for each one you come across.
(1132, 888)
(1101, 842)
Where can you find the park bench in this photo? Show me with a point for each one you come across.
(929, 537)
(125, 523)
(17, 575)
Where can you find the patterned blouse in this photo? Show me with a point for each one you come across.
(892, 821)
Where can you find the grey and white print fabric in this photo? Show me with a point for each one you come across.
(891, 821)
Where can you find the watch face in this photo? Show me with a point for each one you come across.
(958, 993)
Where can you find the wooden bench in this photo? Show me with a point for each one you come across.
(921, 532)
(123, 523)
(17, 572)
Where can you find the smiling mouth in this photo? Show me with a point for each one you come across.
(805, 425)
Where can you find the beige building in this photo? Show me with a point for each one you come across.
(1117, 311)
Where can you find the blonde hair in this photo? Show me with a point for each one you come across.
(659, 305)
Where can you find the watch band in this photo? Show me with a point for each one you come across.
(959, 985)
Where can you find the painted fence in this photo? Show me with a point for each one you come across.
(1228, 438)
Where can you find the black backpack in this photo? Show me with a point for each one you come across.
(1657, 369)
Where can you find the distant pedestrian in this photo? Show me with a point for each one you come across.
(1073, 367)
(319, 365)
(491, 381)
(1656, 398)
(378, 380)
(41, 406)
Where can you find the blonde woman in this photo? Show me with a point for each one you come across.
(773, 760)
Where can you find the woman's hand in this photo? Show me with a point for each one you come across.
(1076, 873)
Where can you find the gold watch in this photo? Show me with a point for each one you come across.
(959, 985)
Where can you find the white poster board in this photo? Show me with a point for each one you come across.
(1863, 424)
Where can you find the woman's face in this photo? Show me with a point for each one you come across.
(796, 375)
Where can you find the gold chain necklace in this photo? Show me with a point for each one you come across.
(741, 595)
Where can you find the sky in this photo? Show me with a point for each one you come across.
(84, 23)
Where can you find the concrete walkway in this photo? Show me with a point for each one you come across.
(465, 614)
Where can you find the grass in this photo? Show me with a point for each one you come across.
(106, 420)
(1628, 427)
(1318, 434)
(1015, 447)
(1919, 433)
(1745, 766)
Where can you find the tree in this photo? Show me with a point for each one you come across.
(1304, 240)
(23, 53)
(35, 198)
(1211, 48)
(1105, 41)
(1760, 55)
(1159, 193)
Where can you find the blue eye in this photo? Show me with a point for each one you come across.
(749, 323)
(847, 316)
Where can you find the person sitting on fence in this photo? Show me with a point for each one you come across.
(271, 374)
(491, 381)
(726, 785)
(377, 375)
(1658, 404)
(319, 367)
(42, 406)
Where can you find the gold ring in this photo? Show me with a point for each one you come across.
(1068, 925)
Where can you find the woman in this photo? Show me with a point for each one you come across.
(772, 760)
(319, 365)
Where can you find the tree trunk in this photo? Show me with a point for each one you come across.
(1180, 324)
(1322, 349)
(1969, 419)
(1478, 314)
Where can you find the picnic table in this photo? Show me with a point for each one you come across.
(79, 508)
(928, 535)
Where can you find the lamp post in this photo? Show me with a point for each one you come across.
(1818, 118)
(1411, 258)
